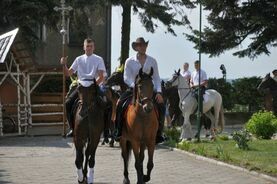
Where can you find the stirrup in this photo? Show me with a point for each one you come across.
(70, 133)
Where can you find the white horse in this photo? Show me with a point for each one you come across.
(188, 104)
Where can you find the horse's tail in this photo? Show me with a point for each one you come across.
(128, 150)
(221, 119)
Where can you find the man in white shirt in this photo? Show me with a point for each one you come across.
(185, 72)
(194, 82)
(131, 70)
(88, 67)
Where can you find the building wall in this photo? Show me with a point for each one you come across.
(97, 26)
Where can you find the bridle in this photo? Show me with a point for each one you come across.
(177, 78)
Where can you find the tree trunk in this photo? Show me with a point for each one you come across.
(125, 31)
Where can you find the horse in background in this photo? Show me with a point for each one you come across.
(116, 79)
(140, 128)
(112, 97)
(171, 98)
(269, 86)
(188, 105)
(88, 127)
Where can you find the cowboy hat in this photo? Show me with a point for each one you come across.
(138, 41)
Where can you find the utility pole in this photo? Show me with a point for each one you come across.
(200, 103)
(64, 10)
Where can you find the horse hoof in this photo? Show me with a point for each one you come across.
(146, 178)
(126, 181)
(81, 181)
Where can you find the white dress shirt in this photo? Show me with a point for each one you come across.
(195, 77)
(132, 67)
(186, 74)
(87, 68)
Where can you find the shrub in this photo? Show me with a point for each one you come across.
(173, 134)
(241, 138)
(262, 124)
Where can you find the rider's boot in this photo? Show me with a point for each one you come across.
(118, 124)
(70, 130)
(160, 138)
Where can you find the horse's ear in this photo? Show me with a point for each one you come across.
(151, 71)
(179, 71)
(140, 72)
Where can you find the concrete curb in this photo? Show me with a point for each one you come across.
(210, 160)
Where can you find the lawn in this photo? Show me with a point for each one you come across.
(261, 156)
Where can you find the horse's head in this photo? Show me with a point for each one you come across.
(115, 79)
(144, 90)
(266, 83)
(87, 95)
(175, 80)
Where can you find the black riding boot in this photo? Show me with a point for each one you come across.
(161, 109)
(118, 124)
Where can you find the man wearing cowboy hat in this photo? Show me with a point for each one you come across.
(131, 70)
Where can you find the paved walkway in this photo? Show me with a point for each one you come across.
(50, 159)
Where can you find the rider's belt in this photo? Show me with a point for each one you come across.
(87, 79)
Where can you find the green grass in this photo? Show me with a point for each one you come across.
(261, 156)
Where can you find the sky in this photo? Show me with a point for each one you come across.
(172, 51)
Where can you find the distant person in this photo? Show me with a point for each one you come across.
(274, 72)
(194, 82)
(185, 72)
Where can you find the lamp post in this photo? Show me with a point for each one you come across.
(223, 70)
(200, 106)
(63, 9)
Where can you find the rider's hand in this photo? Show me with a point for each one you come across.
(63, 60)
(159, 98)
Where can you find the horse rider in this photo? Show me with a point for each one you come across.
(185, 72)
(194, 82)
(131, 70)
(89, 67)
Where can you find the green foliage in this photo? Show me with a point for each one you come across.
(221, 154)
(173, 134)
(231, 22)
(28, 15)
(184, 145)
(241, 138)
(246, 93)
(262, 124)
(225, 89)
(223, 137)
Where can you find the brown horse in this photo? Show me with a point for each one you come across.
(89, 124)
(140, 128)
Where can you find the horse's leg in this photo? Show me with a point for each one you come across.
(79, 163)
(138, 162)
(210, 115)
(125, 153)
(186, 129)
(150, 163)
(92, 146)
(112, 128)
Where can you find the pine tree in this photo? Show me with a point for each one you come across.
(233, 22)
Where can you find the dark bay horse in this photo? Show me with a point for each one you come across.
(270, 84)
(110, 113)
(89, 124)
(140, 128)
(117, 79)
